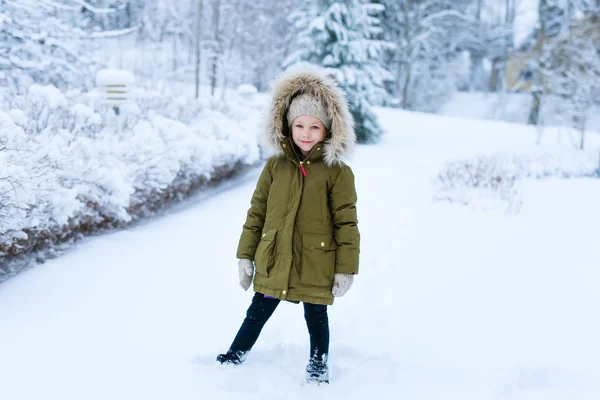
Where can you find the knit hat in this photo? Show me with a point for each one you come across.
(306, 104)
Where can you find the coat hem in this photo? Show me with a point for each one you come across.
(293, 297)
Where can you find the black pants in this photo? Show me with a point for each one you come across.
(261, 310)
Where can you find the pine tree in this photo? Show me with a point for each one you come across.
(343, 37)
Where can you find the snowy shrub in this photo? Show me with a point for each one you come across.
(25, 174)
(177, 108)
(479, 179)
(494, 181)
(67, 170)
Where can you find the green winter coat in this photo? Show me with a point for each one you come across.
(302, 227)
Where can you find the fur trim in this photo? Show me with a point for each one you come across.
(306, 78)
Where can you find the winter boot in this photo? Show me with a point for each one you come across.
(232, 358)
(317, 371)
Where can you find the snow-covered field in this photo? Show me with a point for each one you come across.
(450, 303)
(512, 107)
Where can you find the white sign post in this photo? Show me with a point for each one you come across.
(116, 90)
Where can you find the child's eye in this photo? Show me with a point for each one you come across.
(315, 127)
(298, 126)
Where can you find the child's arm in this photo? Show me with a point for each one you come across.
(256, 215)
(342, 199)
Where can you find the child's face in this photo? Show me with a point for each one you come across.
(307, 131)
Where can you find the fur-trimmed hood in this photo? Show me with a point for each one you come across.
(306, 78)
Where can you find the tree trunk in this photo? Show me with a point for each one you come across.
(408, 63)
(497, 80)
(537, 90)
(216, 46)
(198, 44)
(228, 54)
(476, 54)
(534, 113)
(175, 38)
(129, 16)
(405, 103)
(580, 119)
(495, 76)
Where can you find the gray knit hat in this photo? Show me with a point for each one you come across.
(305, 104)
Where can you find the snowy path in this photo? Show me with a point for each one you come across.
(450, 303)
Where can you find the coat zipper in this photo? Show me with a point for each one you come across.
(302, 162)
(302, 168)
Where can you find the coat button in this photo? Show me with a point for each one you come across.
(264, 234)
(318, 148)
(283, 292)
(284, 145)
(308, 162)
(322, 244)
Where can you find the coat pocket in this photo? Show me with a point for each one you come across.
(318, 259)
(264, 258)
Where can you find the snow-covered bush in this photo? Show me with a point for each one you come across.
(44, 109)
(66, 170)
(495, 181)
(474, 180)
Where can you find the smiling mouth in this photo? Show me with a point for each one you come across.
(304, 141)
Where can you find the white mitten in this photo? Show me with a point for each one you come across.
(341, 284)
(246, 271)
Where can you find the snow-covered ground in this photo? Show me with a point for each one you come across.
(450, 303)
(513, 107)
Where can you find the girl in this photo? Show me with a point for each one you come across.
(301, 230)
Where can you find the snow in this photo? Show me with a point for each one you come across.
(18, 117)
(513, 107)
(246, 89)
(52, 96)
(450, 303)
(114, 77)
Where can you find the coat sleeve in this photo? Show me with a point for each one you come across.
(256, 215)
(342, 200)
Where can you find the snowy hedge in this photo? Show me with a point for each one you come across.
(494, 181)
(66, 170)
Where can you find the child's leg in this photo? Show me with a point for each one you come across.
(318, 329)
(257, 315)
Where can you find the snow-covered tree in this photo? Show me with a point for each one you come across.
(567, 65)
(37, 47)
(52, 41)
(256, 39)
(427, 62)
(344, 37)
(100, 15)
(488, 37)
(570, 65)
(505, 48)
